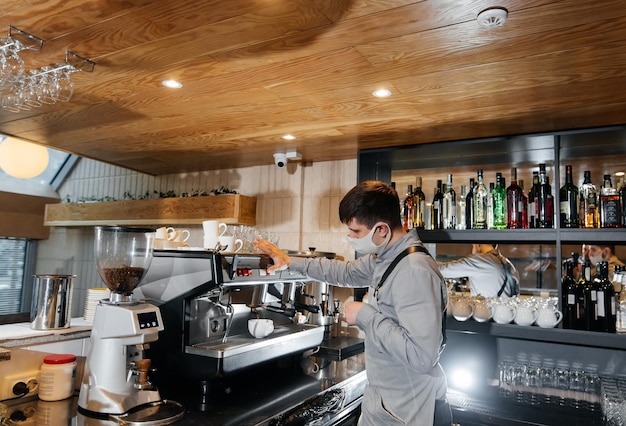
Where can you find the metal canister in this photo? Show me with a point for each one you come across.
(51, 303)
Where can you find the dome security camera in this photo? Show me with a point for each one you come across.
(280, 160)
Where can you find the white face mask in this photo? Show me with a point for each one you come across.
(596, 259)
(366, 244)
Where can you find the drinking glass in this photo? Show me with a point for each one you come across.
(11, 64)
(62, 82)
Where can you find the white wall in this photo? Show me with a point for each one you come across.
(298, 202)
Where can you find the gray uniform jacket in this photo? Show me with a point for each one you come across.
(485, 272)
(402, 326)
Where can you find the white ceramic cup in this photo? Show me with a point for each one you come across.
(214, 228)
(233, 245)
(483, 311)
(503, 313)
(463, 309)
(526, 315)
(260, 327)
(181, 236)
(549, 317)
(165, 233)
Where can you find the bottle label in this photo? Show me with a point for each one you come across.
(600, 295)
(571, 299)
(610, 211)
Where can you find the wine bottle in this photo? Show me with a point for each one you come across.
(605, 299)
(407, 209)
(419, 205)
(532, 206)
(469, 205)
(569, 291)
(610, 209)
(587, 299)
(620, 291)
(588, 203)
(499, 203)
(568, 201)
(514, 203)
(544, 202)
(449, 206)
(524, 205)
(481, 198)
(436, 216)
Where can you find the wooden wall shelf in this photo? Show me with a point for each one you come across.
(228, 208)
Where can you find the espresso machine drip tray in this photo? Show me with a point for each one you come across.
(241, 351)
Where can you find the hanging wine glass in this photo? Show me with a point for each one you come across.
(11, 64)
(63, 84)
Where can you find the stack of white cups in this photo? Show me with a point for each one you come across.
(213, 230)
(94, 296)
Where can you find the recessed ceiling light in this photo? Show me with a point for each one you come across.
(382, 93)
(620, 174)
(289, 137)
(173, 84)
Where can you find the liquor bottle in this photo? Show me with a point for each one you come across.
(524, 205)
(622, 201)
(610, 210)
(469, 205)
(481, 198)
(436, 211)
(499, 203)
(605, 296)
(461, 209)
(569, 291)
(544, 202)
(449, 206)
(588, 203)
(532, 210)
(419, 205)
(587, 299)
(514, 203)
(568, 201)
(490, 206)
(407, 209)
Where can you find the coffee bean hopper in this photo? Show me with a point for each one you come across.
(115, 381)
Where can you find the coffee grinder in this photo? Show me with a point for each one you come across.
(115, 381)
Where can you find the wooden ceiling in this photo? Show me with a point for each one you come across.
(254, 70)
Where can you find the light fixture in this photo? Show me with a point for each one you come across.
(22, 159)
(172, 84)
(620, 174)
(381, 93)
(492, 17)
(288, 137)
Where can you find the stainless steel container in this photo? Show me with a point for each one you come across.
(51, 304)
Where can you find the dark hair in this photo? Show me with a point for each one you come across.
(370, 202)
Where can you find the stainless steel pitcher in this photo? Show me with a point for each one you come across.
(51, 304)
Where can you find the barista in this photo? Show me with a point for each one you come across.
(602, 253)
(489, 273)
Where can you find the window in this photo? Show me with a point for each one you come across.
(17, 259)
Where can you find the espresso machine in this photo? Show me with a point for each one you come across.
(115, 380)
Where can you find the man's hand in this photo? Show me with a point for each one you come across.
(280, 258)
(351, 310)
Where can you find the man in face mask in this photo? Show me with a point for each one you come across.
(603, 253)
(403, 320)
